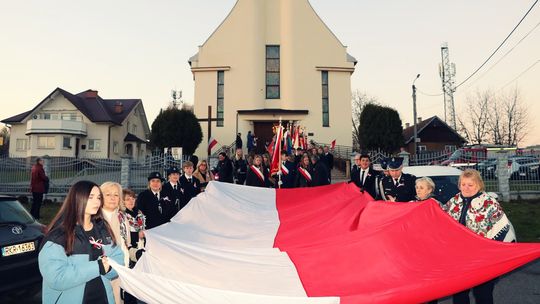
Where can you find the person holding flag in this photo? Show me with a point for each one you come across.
(288, 172)
(275, 165)
(255, 174)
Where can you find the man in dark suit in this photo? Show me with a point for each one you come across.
(154, 203)
(398, 186)
(363, 175)
(173, 188)
(329, 158)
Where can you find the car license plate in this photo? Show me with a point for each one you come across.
(18, 248)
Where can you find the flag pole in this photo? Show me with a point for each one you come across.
(279, 156)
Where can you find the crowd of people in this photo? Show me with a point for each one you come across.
(303, 168)
(99, 223)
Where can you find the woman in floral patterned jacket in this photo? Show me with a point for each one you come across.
(482, 214)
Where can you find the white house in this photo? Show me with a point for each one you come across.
(272, 59)
(80, 125)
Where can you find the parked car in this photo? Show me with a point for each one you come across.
(519, 167)
(524, 167)
(488, 168)
(20, 238)
(445, 179)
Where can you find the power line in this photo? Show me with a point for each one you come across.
(521, 74)
(500, 45)
(427, 94)
(509, 51)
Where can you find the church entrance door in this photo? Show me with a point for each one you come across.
(264, 133)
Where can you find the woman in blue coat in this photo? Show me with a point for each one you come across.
(74, 259)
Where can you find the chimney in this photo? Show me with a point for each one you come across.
(90, 94)
(407, 125)
(419, 119)
(118, 107)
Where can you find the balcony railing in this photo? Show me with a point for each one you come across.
(47, 126)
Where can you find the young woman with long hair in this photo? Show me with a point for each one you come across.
(74, 258)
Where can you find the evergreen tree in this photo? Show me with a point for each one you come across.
(176, 128)
(380, 128)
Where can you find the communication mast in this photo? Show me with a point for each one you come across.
(176, 98)
(447, 71)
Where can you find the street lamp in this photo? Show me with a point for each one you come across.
(414, 115)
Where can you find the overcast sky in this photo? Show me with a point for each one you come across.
(139, 49)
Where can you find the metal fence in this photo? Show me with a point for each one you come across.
(63, 172)
(512, 176)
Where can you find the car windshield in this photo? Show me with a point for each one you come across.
(445, 187)
(11, 211)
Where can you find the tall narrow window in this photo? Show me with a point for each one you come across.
(325, 106)
(220, 97)
(272, 72)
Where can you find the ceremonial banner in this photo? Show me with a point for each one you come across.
(275, 165)
(330, 244)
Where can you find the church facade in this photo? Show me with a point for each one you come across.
(271, 60)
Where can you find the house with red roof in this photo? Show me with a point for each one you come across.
(80, 125)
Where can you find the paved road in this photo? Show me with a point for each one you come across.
(521, 286)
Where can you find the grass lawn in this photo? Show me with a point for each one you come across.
(524, 215)
(47, 212)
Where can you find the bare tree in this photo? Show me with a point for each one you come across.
(516, 118)
(497, 119)
(462, 129)
(475, 122)
(359, 101)
(497, 130)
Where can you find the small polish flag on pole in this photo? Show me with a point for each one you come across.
(211, 144)
(333, 144)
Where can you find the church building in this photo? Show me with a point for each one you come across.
(272, 59)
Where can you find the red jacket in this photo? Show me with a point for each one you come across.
(37, 183)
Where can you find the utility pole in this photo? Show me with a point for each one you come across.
(414, 116)
(447, 72)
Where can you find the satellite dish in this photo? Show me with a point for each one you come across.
(35, 116)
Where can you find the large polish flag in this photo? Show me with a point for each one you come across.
(330, 244)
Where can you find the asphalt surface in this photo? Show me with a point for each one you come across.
(522, 286)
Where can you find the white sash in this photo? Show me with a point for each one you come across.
(305, 173)
(257, 172)
(284, 169)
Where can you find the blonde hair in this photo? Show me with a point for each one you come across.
(201, 163)
(108, 185)
(428, 181)
(474, 175)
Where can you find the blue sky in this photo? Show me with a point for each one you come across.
(139, 49)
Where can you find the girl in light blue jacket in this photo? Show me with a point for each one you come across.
(74, 258)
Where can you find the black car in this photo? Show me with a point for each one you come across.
(20, 238)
